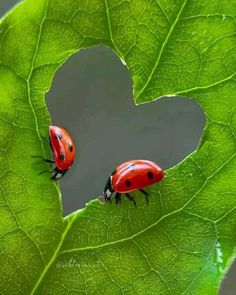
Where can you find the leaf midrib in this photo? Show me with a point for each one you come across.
(69, 224)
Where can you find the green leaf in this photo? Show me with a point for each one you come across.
(184, 241)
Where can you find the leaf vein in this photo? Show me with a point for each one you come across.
(163, 47)
(54, 256)
(155, 223)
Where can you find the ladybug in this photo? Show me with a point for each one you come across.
(63, 148)
(130, 176)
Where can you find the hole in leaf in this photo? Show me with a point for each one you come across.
(91, 96)
(228, 284)
(5, 6)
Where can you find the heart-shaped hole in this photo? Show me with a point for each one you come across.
(91, 96)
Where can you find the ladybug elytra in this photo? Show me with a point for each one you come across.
(63, 149)
(130, 176)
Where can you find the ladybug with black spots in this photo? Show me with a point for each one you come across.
(131, 176)
(63, 149)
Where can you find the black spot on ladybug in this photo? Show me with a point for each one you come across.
(62, 157)
(58, 136)
(128, 183)
(150, 175)
(71, 148)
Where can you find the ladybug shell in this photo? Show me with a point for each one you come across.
(63, 147)
(135, 174)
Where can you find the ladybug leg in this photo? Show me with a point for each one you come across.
(47, 139)
(146, 195)
(144, 192)
(45, 171)
(49, 161)
(131, 199)
(45, 160)
(118, 198)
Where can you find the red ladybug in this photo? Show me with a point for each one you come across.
(63, 148)
(130, 176)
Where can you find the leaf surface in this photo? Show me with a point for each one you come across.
(184, 241)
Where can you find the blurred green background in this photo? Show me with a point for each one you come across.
(91, 96)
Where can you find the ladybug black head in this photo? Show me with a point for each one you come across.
(108, 190)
